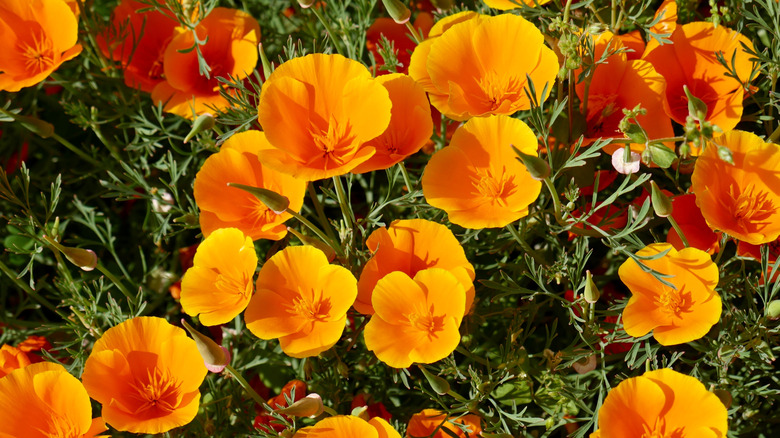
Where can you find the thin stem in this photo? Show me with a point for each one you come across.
(320, 212)
(75, 149)
(356, 335)
(329, 410)
(245, 385)
(556, 201)
(115, 280)
(317, 231)
(566, 11)
(613, 18)
(405, 174)
(25, 287)
(523, 244)
(328, 29)
(775, 135)
(341, 194)
(679, 231)
(415, 36)
(655, 140)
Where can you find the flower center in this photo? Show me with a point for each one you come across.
(426, 321)
(500, 88)
(334, 142)
(231, 285)
(674, 302)
(38, 54)
(313, 310)
(159, 391)
(751, 209)
(495, 188)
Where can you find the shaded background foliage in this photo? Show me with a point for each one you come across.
(117, 179)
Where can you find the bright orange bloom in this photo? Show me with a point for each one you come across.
(218, 287)
(678, 314)
(477, 179)
(318, 113)
(137, 41)
(411, 246)
(506, 5)
(224, 207)
(43, 400)
(231, 49)
(410, 125)
(146, 373)
(691, 61)
(743, 199)
(347, 426)
(302, 300)
(423, 314)
(474, 68)
(661, 403)
(619, 84)
(12, 358)
(424, 423)
(667, 18)
(36, 36)
(693, 225)
(399, 35)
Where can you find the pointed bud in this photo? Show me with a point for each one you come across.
(696, 107)
(204, 122)
(625, 163)
(317, 243)
(267, 68)
(538, 168)
(592, 293)
(662, 204)
(397, 10)
(725, 154)
(86, 259)
(276, 202)
(773, 309)
(439, 385)
(361, 412)
(309, 406)
(216, 357)
(36, 126)
(306, 4)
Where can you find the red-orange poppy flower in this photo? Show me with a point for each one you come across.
(410, 125)
(678, 314)
(619, 84)
(692, 223)
(12, 358)
(474, 68)
(137, 40)
(224, 207)
(433, 423)
(301, 300)
(231, 50)
(690, 60)
(661, 403)
(347, 426)
(743, 199)
(43, 400)
(399, 35)
(410, 246)
(218, 287)
(478, 179)
(146, 373)
(423, 313)
(318, 113)
(36, 36)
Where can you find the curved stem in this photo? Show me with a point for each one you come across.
(244, 384)
(328, 29)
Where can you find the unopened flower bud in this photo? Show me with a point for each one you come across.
(440, 386)
(36, 126)
(216, 357)
(361, 412)
(86, 259)
(204, 122)
(625, 163)
(585, 365)
(397, 10)
(305, 4)
(662, 204)
(537, 167)
(276, 202)
(309, 406)
(592, 293)
(773, 309)
(267, 68)
(696, 107)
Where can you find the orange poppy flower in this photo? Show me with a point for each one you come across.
(423, 313)
(619, 84)
(224, 207)
(231, 50)
(36, 37)
(411, 246)
(693, 225)
(506, 5)
(426, 422)
(347, 426)
(12, 358)
(146, 373)
(137, 40)
(302, 300)
(661, 403)
(44, 400)
(410, 125)
(690, 60)
(676, 315)
(318, 113)
(399, 35)
(667, 18)
(475, 68)
(743, 199)
(477, 179)
(218, 287)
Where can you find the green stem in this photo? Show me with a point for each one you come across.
(566, 11)
(328, 29)
(556, 201)
(115, 280)
(317, 231)
(405, 174)
(656, 140)
(245, 385)
(523, 244)
(411, 28)
(679, 231)
(25, 287)
(774, 136)
(330, 411)
(341, 194)
(75, 149)
(320, 212)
